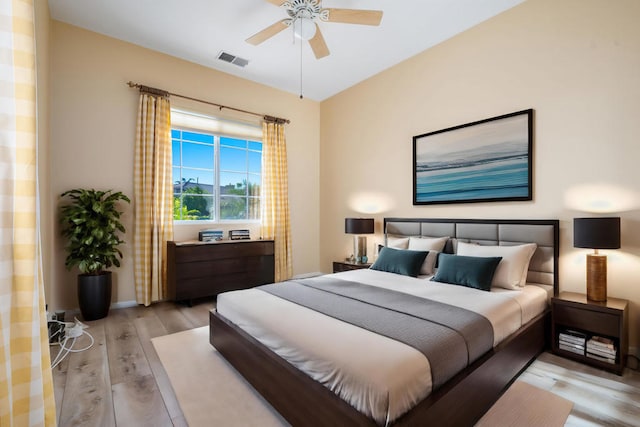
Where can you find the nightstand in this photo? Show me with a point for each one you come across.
(339, 266)
(572, 314)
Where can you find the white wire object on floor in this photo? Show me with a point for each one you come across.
(65, 334)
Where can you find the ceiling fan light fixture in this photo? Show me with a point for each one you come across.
(304, 16)
(304, 28)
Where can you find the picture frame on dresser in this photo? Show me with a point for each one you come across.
(483, 161)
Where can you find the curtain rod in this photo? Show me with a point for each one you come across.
(160, 92)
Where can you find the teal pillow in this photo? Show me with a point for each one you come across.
(399, 261)
(469, 271)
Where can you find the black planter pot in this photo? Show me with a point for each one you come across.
(94, 295)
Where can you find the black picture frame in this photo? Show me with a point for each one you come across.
(488, 160)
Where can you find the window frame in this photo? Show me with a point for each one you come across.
(216, 175)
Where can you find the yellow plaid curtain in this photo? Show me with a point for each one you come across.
(153, 189)
(275, 222)
(26, 387)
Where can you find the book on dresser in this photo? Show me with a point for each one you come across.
(573, 348)
(601, 348)
(573, 341)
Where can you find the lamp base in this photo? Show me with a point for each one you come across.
(360, 249)
(596, 277)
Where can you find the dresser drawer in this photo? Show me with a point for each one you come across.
(208, 252)
(593, 321)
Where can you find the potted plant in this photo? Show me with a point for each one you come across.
(91, 224)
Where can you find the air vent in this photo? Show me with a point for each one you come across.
(232, 59)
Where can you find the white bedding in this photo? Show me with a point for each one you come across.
(379, 376)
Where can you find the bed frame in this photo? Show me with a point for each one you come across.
(461, 401)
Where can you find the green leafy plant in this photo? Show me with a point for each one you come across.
(91, 223)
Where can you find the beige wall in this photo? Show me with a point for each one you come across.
(575, 62)
(93, 115)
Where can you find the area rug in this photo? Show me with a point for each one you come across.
(211, 392)
(525, 405)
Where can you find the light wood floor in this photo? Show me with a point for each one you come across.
(120, 381)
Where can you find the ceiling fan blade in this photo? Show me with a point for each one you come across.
(355, 16)
(267, 33)
(318, 45)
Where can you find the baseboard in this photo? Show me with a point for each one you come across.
(124, 304)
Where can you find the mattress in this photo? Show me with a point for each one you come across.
(378, 376)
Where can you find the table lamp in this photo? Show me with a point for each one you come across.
(596, 233)
(359, 226)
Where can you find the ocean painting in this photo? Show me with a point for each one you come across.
(489, 160)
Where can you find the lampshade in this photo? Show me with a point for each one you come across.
(358, 225)
(596, 233)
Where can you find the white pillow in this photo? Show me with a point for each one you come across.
(397, 242)
(434, 245)
(511, 272)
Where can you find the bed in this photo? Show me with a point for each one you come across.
(460, 400)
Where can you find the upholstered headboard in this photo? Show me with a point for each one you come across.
(543, 268)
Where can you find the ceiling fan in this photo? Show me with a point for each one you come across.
(304, 15)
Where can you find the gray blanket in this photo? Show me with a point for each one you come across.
(450, 337)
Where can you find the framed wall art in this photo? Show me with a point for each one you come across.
(484, 161)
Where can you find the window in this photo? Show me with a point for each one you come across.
(216, 177)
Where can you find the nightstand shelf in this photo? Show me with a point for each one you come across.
(339, 266)
(572, 312)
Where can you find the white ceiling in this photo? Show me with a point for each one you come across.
(197, 30)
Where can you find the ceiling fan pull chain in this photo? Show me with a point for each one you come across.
(300, 69)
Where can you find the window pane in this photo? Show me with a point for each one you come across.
(232, 207)
(255, 162)
(201, 190)
(197, 206)
(197, 155)
(175, 152)
(177, 207)
(254, 208)
(197, 137)
(177, 188)
(232, 142)
(233, 183)
(197, 177)
(232, 159)
(254, 185)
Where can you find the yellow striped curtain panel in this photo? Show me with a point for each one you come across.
(26, 387)
(153, 189)
(275, 222)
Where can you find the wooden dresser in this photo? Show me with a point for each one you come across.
(197, 269)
